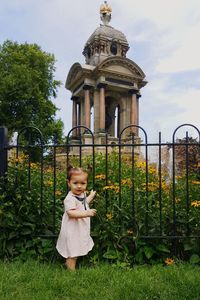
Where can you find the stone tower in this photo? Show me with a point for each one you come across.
(106, 89)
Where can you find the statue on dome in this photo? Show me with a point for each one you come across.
(105, 12)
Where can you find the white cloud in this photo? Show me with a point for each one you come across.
(165, 108)
(163, 36)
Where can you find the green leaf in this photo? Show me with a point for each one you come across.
(110, 254)
(162, 248)
(148, 251)
(194, 259)
(139, 257)
(12, 235)
(188, 247)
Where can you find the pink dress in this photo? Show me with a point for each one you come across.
(74, 238)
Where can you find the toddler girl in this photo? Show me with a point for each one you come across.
(74, 239)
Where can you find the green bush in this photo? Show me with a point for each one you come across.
(31, 211)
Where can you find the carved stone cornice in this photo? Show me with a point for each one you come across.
(133, 92)
(124, 62)
(101, 85)
(76, 74)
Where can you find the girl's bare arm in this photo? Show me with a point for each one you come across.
(81, 214)
(91, 196)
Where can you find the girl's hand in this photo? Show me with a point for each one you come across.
(91, 212)
(91, 196)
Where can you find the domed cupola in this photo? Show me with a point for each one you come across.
(105, 41)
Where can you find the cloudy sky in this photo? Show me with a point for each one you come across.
(164, 42)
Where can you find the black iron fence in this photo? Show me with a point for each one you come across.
(155, 184)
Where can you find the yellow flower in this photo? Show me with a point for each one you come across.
(177, 200)
(49, 183)
(165, 186)
(151, 186)
(198, 165)
(19, 159)
(107, 187)
(152, 170)
(126, 182)
(58, 193)
(111, 187)
(141, 164)
(195, 203)
(109, 216)
(100, 176)
(195, 182)
(33, 165)
(169, 261)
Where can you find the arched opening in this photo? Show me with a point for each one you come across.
(92, 119)
(117, 121)
(108, 116)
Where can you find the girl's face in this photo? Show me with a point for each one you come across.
(78, 183)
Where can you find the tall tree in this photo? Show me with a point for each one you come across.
(27, 87)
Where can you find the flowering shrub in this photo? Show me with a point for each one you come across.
(32, 207)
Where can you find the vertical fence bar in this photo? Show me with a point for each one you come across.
(106, 171)
(67, 161)
(120, 186)
(119, 175)
(187, 183)
(3, 151)
(174, 187)
(41, 179)
(160, 182)
(133, 176)
(147, 190)
(93, 163)
(54, 183)
(80, 152)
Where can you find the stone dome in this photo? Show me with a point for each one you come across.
(107, 32)
(105, 41)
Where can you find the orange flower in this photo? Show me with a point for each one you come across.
(169, 261)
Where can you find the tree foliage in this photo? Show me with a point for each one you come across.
(27, 87)
(187, 155)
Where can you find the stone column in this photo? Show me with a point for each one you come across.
(101, 87)
(79, 117)
(138, 97)
(96, 110)
(134, 111)
(74, 114)
(87, 105)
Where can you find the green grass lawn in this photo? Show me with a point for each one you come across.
(34, 280)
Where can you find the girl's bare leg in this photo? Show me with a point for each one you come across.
(71, 263)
